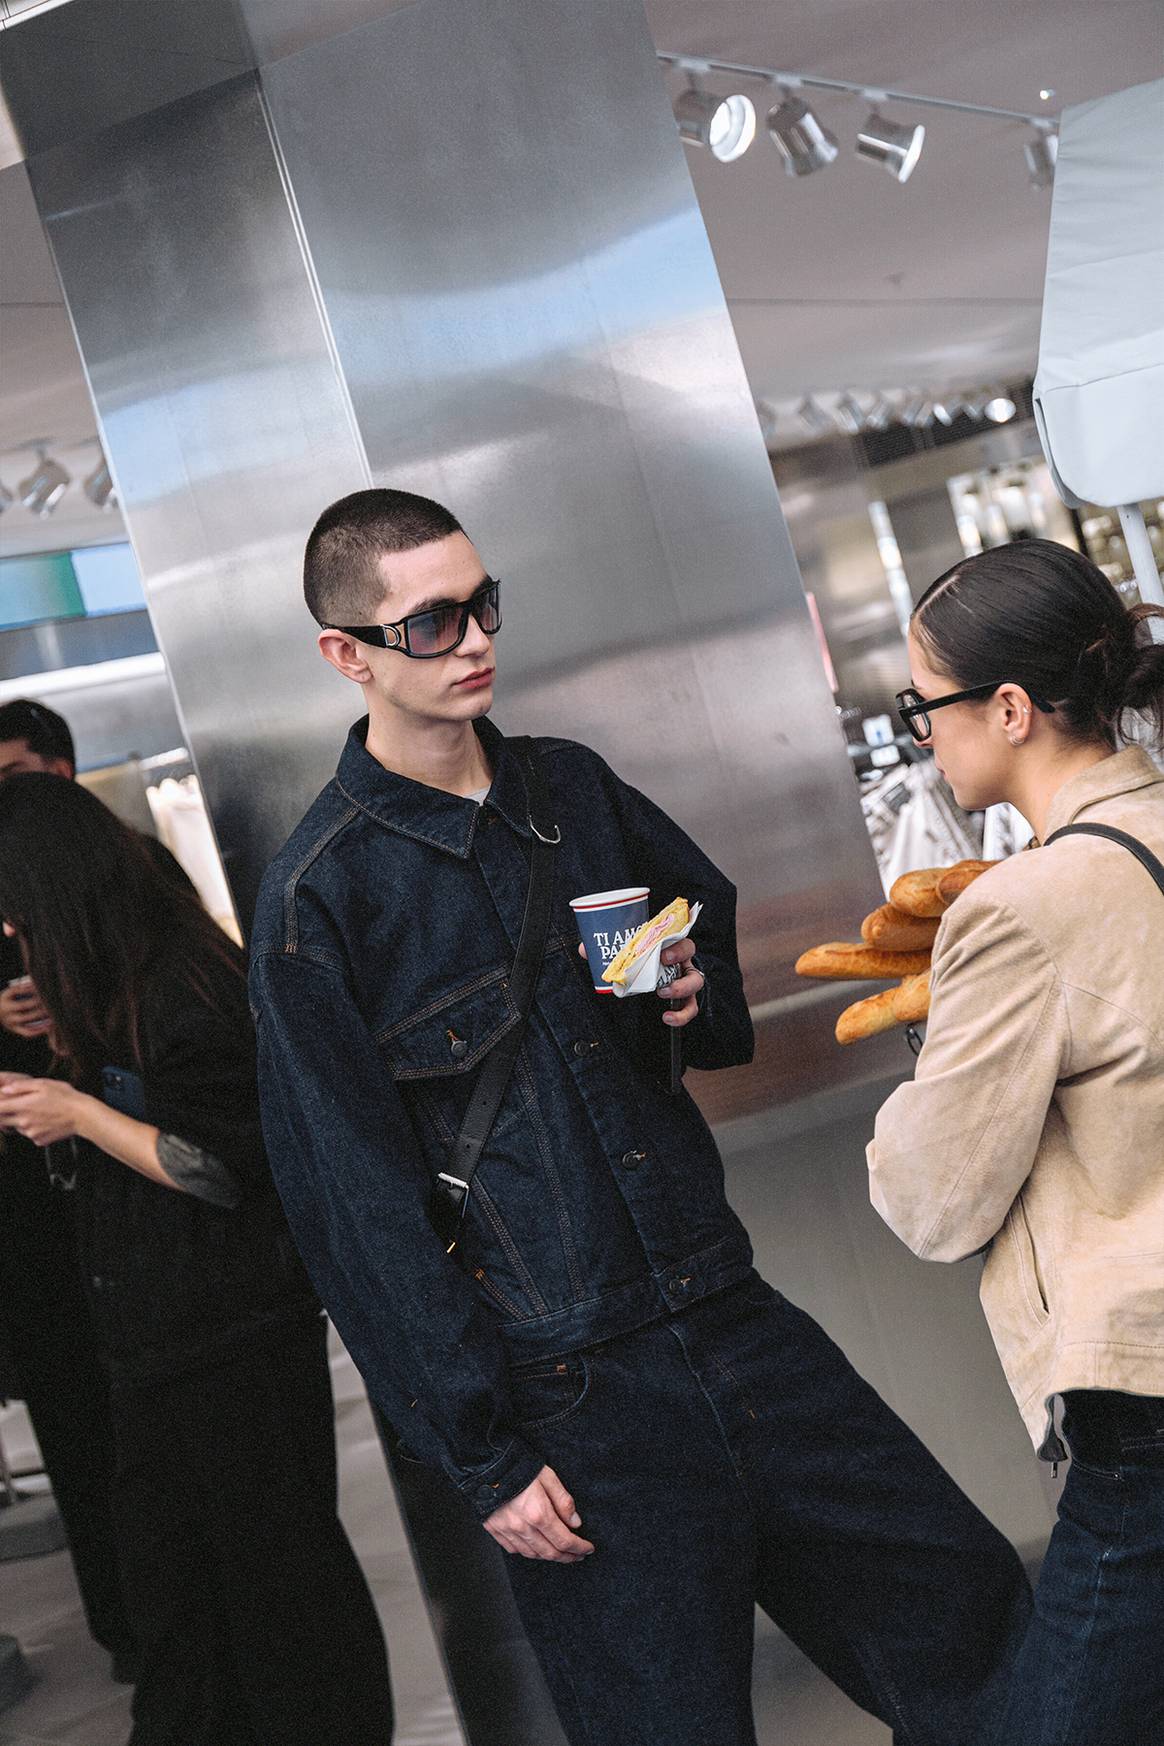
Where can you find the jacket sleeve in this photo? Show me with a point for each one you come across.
(673, 866)
(355, 1190)
(953, 1146)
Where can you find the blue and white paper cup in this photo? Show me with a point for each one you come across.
(606, 920)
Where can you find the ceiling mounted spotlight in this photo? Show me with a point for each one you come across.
(1041, 154)
(725, 125)
(815, 417)
(850, 414)
(974, 406)
(798, 136)
(99, 487)
(880, 415)
(999, 408)
(918, 411)
(45, 485)
(946, 409)
(894, 144)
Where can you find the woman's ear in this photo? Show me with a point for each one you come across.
(1014, 713)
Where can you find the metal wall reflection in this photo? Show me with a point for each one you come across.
(454, 247)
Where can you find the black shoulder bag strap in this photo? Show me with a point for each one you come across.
(1140, 850)
(453, 1184)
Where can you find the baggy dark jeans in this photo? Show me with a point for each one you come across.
(731, 1455)
(1091, 1672)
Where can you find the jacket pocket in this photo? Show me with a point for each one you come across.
(453, 1034)
(1034, 1285)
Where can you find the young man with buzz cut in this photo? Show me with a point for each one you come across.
(658, 1438)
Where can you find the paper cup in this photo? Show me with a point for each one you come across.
(606, 920)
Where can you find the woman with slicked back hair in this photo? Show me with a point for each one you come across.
(254, 1623)
(1033, 1131)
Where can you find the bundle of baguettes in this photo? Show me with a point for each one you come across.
(897, 943)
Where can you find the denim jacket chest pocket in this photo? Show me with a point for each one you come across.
(435, 1054)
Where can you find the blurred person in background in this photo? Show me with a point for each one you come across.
(254, 1623)
(1033, 1131)
(51, 1361)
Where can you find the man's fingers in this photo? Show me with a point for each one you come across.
(683, 986)
(560, 1498)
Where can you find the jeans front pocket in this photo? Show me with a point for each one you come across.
(546, 1391)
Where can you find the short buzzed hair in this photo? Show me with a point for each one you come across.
(342, 583)
(44, 732)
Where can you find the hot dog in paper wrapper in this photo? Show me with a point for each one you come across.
(636, 969)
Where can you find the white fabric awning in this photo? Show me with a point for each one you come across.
(1099, 390)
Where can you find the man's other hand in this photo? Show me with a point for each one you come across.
(21, 1011)
(537, 1522)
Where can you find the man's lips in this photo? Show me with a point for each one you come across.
(477, 678)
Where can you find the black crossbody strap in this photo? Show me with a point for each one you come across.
(456, 1181)
(1140, 850)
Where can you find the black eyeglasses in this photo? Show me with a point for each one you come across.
(915, 710)
(440, 630)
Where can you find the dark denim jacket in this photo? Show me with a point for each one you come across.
(385, 931)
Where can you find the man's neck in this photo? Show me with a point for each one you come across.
(441, 754)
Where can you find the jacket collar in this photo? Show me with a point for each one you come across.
(1122, 773)
(445, 821)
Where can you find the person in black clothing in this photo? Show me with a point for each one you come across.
(45, 1327)
(254, 1621)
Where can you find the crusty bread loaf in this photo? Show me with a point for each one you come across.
(894, 931)
(917, 893)
(844, 962)
(867, 1018)
(954, 883)
(911, 1002)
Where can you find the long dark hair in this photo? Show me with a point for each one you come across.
(1047, 618)
(96, 915)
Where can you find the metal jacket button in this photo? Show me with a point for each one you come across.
(632, 1160)
(458, 1047)
(581, 1048)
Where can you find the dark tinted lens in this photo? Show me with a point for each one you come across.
(434, 633)
(488, 610)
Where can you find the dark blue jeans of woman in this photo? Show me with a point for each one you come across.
(731, 1455)
(1091, 1672)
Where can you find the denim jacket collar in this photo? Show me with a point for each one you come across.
(446, 821)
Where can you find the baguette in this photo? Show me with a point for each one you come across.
(867, 1018)
(843, 962)
(954, 883)
(917, 893)
(894, 931)
(911, 1002)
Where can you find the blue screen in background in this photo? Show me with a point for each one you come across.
(94, 579)
(108, 579)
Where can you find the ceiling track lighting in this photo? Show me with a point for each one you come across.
(726, 125)
(1041, 154)
(45, 485)
(814, 417)
(895, 145)
(803, 143)
(850, 414)
(99, 487)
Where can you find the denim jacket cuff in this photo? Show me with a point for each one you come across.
(515, 1468)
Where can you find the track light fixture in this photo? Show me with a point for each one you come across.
(999, 409)
(803, 144)
(814, 417)
(45, 485)
(726, 126)
(1041, 154)
(850, 414)
(895, 145)
(99, 488)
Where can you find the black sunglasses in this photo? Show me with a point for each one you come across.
(915, 710)
(440, 630)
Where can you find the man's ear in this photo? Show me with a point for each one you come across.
(62, 767)
(345, 655)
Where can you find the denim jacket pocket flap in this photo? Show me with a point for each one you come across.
(453, 1034)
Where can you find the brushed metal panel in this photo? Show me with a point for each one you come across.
(226, 427)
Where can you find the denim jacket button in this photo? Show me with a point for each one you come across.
(581, 1048)
(458, 1048)
(632, 1160)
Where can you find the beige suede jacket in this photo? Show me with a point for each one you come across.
(1035, 1122)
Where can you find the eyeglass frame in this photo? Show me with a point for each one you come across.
(907, 711)
(377, 634)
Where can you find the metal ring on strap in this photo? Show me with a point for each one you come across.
(555, 839)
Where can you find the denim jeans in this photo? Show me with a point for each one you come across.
(1091, 1672)
(730, 1455)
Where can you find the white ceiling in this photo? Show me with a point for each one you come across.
(844, 279)
(839, 280)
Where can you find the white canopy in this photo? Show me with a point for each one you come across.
(1099, 390)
